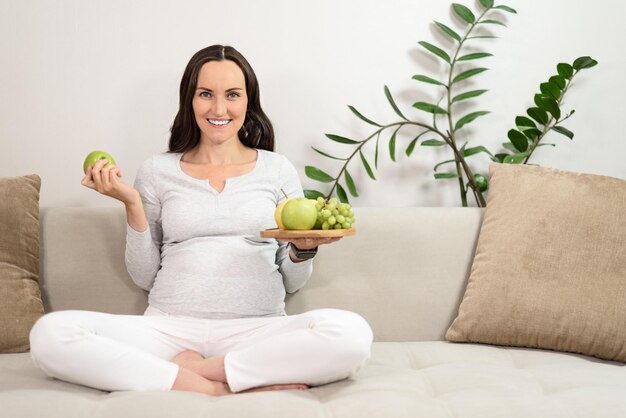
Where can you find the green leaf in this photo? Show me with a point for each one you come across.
(483, 37)
(469, 118)
(468, 95)
(584, 62)
(487, 4)
(565, 70)
(500, 157)
(558, 81)
(313, 194)
(341, 139)
(519, 141)
(376, 152)
(468, 74)
(538, 101)
(367, 166)
(492, 22)
(363, 118)
(506, 9)
(432, 143)
(549, 105)
(411, 147)
(350, 184)
(426, 79)
(564, 131)
(440, 176)
(464, 13)
(538, 115)
(436, 50)
(430, 108)
(551, 90)
(476, 150)
(514, 159)
(474, 56)
(392, 144)
(452, 34)
(393, 103)
(317, 174)
(523, 121)
(531, 133)
(328, 155)
(442, 163)
(510, 147)
(341, 194)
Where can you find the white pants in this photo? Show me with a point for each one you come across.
(134, 352)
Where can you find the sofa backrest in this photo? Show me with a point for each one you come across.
(405, 270)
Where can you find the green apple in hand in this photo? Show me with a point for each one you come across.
(299, 214)
(96, 156)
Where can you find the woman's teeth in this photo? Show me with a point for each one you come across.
(218, 122)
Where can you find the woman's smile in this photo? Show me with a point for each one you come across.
(219, 123)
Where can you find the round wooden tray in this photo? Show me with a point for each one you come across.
(312, 233)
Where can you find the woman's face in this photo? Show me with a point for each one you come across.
(220, 101)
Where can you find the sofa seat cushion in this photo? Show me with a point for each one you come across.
(409, 379)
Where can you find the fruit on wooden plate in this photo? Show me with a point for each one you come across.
(298, 214)
(333, 214)
(278, 214)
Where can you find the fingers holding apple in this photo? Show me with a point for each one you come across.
(96, 156)
(102, 175)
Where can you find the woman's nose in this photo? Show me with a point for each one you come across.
(219, 107)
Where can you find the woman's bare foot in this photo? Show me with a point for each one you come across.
(212, 370)
(188, 381)
(188, 359)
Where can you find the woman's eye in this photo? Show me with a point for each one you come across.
(205, 94)
(233, 95)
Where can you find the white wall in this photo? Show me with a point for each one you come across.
(80, 75)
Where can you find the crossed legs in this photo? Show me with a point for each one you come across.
(216, 357)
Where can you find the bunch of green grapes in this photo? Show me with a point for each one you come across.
(333, 214)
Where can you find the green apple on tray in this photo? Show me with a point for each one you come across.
(300, 217)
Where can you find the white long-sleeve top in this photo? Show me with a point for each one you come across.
(202, 255)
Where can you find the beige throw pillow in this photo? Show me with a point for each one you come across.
(550, 264)
(20, 297)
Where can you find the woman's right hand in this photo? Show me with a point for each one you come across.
(104, 178)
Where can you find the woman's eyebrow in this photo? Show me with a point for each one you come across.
(230, 89)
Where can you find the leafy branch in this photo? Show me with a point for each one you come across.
(544, 117)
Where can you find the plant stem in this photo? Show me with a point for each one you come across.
(460, 163)
(377, 132)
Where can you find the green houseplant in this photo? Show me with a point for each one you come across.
(443, 128)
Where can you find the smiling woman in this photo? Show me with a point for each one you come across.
(220, 102)
(194, 217)
(256, 129)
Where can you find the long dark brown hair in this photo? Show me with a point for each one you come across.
(256, 132)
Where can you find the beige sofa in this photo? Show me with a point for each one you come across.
(405, 271)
